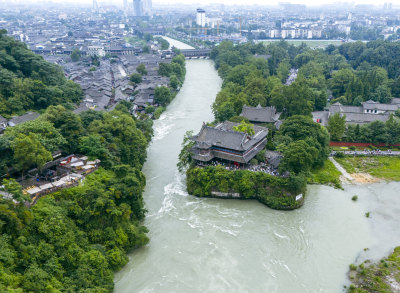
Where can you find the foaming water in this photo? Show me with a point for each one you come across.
(210, 245)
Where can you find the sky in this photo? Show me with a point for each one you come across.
(273, 2)
(238, 2)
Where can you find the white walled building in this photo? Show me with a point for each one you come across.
(201, 17)
(96, 50)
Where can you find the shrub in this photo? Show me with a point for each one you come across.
(353, 267)
(354, 198)
(339, 155)
(149, 109)
(158, 112)
(253, 162)
(367, 214)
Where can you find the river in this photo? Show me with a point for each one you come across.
(213, 245)
(176, 43)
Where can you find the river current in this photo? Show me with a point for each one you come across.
(213, 245)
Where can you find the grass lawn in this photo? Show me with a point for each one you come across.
(327, 175)
(380, 167)
(311, 43)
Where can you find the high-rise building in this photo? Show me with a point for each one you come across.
(95, 7)
(127, 8)
(138, 7)
(147, 7)
(142, 7)
(201, 17)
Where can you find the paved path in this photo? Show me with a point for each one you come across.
(341, 169)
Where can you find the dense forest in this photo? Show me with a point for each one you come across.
(72, 240)
(28, 82)
(350, 74)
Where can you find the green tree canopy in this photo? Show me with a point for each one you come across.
(141, 69)
(337, 126)
(245, 127)
(162, 95)
(29, 152)
(135, 78)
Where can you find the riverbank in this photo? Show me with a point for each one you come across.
(382, 276)
(371, 169)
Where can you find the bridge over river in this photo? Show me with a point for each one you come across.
(196, 53)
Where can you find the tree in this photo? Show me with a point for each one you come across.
(148, 37)
(95, 60)
(337, 126)
(244, 127)
(43, 130)
(75, 55)
(340, 81)
(141, 68)
(146, 49)
(164, 69)
(185, 156)
(149, 109)
(135, 78)
(173, 82)
(13, 187)
(298, 157)
(162, 95)
(67, 122)
(304, 128)
(94, 147)
(28, 152)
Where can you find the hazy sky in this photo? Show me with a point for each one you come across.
(272, 2)
(227, 2)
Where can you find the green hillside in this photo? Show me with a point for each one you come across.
(28, 82)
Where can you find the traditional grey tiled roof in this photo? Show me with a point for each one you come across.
(223, 136)
(372, 105)
(2, 119)
(24, 118)
(321, 116)
(260, 114)
(338, 107)
(396, 101)
(361, 118)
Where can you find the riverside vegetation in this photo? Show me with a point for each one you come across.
(387, 168)
(383, 277)
(72, 240)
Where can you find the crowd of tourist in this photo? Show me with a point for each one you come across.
(376, 152)
(262, 167)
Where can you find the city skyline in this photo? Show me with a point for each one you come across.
(225, 2)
